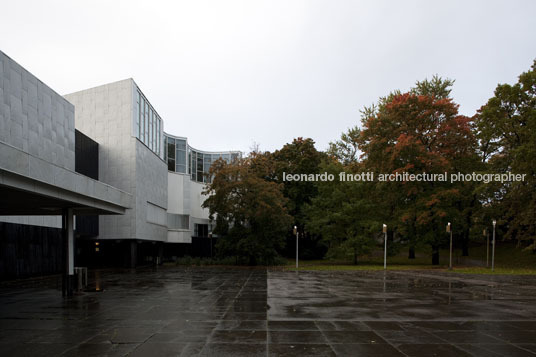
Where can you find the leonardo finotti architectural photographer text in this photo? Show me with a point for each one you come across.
(405, 177)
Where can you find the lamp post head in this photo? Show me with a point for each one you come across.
(448, 227)
(494, 223)
(384, 228)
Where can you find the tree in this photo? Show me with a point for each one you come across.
(437, 87)
(299, 157)
(340, 213)
(346, 150)
(416, 132)
(249, 210)
(507, 142)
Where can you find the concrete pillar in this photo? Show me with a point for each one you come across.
(133, 253)
(68, 239)
(160, 253)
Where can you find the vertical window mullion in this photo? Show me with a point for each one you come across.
(157, 136)
(146, 123)
(137, 116)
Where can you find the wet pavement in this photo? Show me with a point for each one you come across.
(253, 312)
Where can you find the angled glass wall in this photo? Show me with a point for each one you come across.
(175, 154)
(184, 159)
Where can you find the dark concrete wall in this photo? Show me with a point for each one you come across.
(86, 156)
(86, 163)
(111, 253)
(29, 251)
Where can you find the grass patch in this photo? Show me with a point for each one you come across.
(328, 267)
(509, 260)
(507, 255)
(483, 270)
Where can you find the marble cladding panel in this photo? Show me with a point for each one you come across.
(33, 117)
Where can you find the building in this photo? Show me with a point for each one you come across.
(123, 145)
(41, 190)
(188, 170)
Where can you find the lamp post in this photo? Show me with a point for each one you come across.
(296, 233)
(385, 246)
(449, 230)
(485, 233)
(493, 247)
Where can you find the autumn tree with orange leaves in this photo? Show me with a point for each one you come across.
(420, 131)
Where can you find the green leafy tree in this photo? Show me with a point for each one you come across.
(437, 87)
(507, 137)
(249, 210)
(299, 157)
(341, 214)
(346, 149)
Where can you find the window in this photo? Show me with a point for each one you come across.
(165, 146)
(181, 155)
(153, 141)
(153, 144)
(151, 130)
(189, 162)
(178, 221)
(137, 116)
(200, 230)
(171, 154)
(142, 119)
(157, 133)
(193, 165)
(176, 154)
(158, 136)
(149, 126)
(199, 167)
(146, 121)
(206, 168)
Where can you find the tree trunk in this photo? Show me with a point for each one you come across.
(465, 244)
(252, 260)
(435, 255)
(468, 221)
(411, 252)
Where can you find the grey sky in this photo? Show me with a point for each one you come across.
(228, 73)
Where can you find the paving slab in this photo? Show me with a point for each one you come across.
(218, 311)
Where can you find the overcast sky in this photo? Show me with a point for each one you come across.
(226, 74)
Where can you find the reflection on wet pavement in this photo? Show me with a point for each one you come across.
(250, 312)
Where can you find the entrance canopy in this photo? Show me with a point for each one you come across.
(23, 195)
(33, 186)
